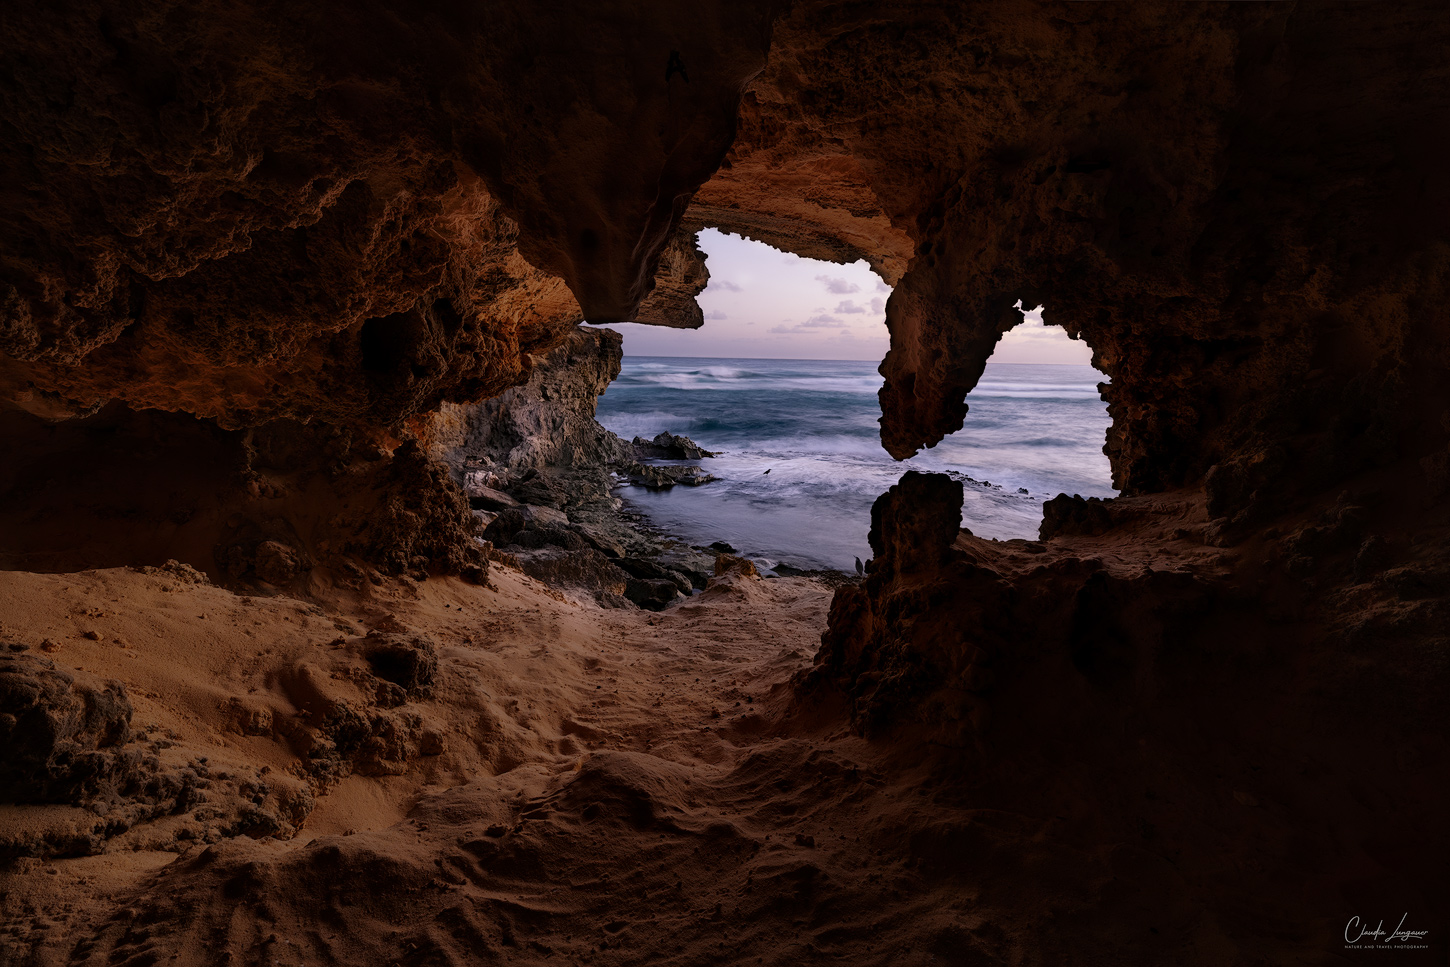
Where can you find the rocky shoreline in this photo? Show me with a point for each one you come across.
(545, 480)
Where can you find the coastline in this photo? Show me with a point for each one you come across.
(562, 512)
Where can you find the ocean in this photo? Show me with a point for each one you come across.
(813, 425)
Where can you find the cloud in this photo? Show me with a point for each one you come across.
(850, 308)
(877, 306)
(716, 314)
(725, 284)
(813, 324)
(883, 287)
(838, 285)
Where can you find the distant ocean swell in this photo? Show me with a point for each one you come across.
(813, 425)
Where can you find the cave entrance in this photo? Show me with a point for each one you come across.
(781, 382)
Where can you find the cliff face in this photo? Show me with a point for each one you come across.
(547, 422)
(247, 254)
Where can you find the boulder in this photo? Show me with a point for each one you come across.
(57, 730)
(408, 661)
(659, 478)
(481, 497)
(650, 570)
(668, 446)
(652, 594)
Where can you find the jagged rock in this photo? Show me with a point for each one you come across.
(730, 564)
(539, 489)
(481, 497)
(1074, 515)
(503, 528)
(668, 446)
(662, 477)
(544, 516)
(653, 594)
(408, 661)
(600, 541)
(60, 735)
(277, 563)
(584, 569)
(650, 570)
(546, 424)
(536, 536)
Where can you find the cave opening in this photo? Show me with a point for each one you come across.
(781, 385)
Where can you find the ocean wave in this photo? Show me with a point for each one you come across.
(814, 426)
(1047, 391)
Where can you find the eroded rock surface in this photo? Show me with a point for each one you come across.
(59, 735)
(1165, 697)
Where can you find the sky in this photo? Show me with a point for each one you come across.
(762, 303)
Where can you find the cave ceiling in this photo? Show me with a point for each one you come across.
(353, 213)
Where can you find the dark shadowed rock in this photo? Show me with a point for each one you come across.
(58, 732)
(408, 661)
(1074, 515)
(653, 594)
(665, 476)
(668, 446)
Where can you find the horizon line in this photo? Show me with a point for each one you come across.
(819, 359)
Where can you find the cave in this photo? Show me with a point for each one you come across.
(318, 640)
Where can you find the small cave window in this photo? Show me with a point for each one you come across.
(781, 383)
(1035, 427)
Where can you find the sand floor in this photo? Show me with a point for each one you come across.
(601, 786)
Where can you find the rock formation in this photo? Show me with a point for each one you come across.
(249, 254)
(540, 473)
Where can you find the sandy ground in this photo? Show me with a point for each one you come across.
(602, 786)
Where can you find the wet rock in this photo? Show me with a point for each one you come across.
(668, 446)
(662, 477)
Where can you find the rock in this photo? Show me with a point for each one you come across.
(486, 498)
(503, 528)
(641, 568)
(60, 733)
(539, 489)
(667, 446)
(729, 564)
(546, 424)
(545, 516)
(654, 594)
(599, 540)
(277, 563)
(408, 661)
(586, 569)
(722, 547)
(1074, 515)
(536, 536)
(661, 477)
